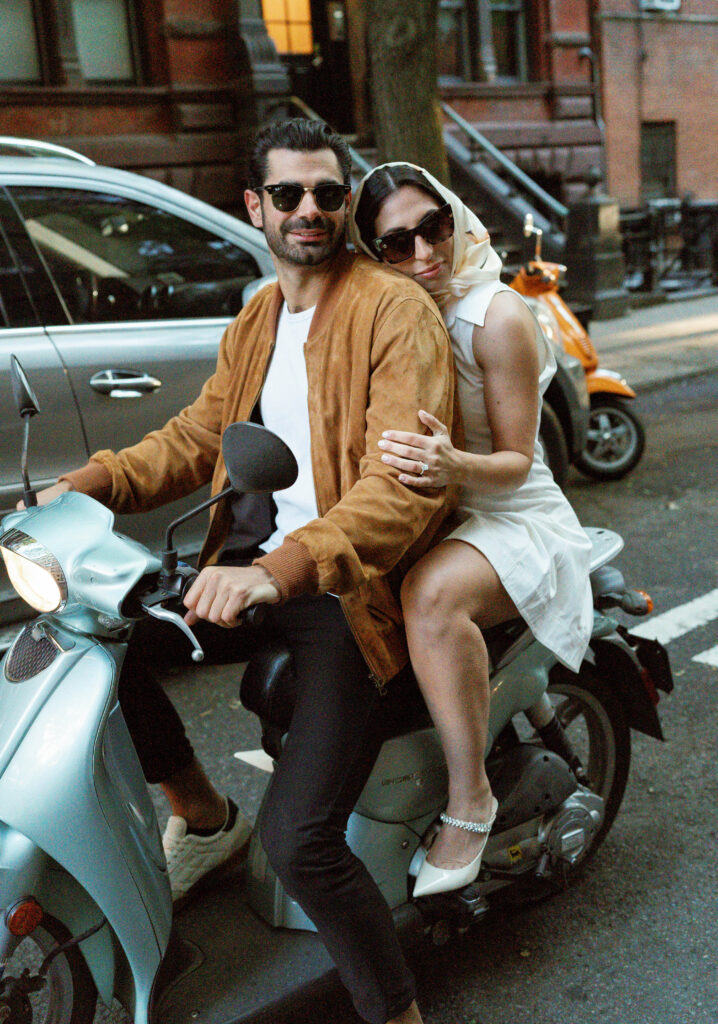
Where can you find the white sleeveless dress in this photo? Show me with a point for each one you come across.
(530, 535)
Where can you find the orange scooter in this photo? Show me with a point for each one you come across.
(616, 437)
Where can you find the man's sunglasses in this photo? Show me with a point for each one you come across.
(328, 197)
(397, 246)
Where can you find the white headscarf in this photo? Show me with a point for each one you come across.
(475, 261)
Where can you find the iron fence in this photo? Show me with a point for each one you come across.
(671, 245)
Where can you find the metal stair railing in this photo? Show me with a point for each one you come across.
(557, 211)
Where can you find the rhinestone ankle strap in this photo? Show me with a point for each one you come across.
(469, 826)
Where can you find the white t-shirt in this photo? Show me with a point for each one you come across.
(285, 411)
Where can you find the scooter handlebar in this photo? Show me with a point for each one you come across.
(253, 616)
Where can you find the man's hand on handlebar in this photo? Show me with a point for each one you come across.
(49, 494)
(221, 592)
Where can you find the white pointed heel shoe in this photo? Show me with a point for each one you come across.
(431, 879)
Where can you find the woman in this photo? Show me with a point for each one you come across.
(519, 548)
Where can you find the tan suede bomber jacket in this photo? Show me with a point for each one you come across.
(377, 352)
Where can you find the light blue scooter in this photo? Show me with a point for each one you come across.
(85, 904)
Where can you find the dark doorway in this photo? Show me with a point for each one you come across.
(658, 159)
(312, 37)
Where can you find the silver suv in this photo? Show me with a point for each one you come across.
(114, 292)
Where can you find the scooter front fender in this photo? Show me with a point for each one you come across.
(72, 785)
(26, 869)
(602, 381)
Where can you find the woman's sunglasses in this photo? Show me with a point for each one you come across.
(397, 246)
(286, 198)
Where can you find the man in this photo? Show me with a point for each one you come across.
(338, 351)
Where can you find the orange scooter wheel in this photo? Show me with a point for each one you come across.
(615, 441)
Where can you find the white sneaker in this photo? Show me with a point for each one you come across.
(191, 857)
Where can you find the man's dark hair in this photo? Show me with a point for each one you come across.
(302, 136)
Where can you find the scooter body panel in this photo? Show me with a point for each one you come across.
(404, 793)
(600, 381)
(517, 686)
(74, 762)
(100, 567)
(62, 898)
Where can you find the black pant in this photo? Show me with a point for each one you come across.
(334, 738)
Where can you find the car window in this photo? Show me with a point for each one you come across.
(27, 297)
(116, 259)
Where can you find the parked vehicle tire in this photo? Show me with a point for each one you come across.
(553, 442)
(615, 442)
(595, 724)
(69, 995)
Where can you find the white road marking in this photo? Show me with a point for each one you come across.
(257, 759)
(674, 623)
(709, 657)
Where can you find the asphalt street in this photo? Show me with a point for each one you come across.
(634, 940)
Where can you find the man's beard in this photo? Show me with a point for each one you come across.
(305, 254)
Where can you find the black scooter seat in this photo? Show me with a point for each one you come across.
(269, 686)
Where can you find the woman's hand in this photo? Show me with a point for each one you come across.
(423, 460)
(221, 592)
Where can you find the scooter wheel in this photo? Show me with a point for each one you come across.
(68, 996)
(553, 443)
(615, 440)
(595, 725)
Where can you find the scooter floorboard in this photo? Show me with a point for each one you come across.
(246, 965)
(249, 972)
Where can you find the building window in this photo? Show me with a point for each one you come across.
(289, 24)
(21, 51)
(508, 25)
(452, 37)
(658, 159)
(482, 40)
(48, 42)
(103, 40)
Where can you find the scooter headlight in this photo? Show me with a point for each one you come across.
(34, 571)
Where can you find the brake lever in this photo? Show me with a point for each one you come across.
(157, 611)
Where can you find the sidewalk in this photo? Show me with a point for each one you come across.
(656, 345)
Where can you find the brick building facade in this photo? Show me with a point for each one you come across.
(169, 88)
(175, 88)
(521, 72)
(659, 69)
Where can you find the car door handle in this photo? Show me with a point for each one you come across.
(124, 383)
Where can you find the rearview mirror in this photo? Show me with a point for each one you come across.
(257, 461)
(25, 401)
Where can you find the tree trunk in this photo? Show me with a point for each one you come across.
(401, 39)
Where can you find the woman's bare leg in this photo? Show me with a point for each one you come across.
(446, 599)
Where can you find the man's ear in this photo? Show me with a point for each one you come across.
(254, 207)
